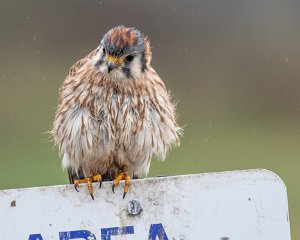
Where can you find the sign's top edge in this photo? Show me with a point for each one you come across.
(265, 173)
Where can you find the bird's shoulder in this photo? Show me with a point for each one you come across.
(77, 65)
(155, 78)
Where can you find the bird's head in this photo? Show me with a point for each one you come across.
(123, 53)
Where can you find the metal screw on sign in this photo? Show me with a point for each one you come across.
(134, 207)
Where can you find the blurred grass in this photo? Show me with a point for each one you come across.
(233, 67)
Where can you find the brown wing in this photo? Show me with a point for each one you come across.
(72, 72)
(69, 80)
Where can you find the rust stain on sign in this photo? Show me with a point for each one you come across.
(13, 203)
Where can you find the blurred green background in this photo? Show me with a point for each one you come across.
(233, 67)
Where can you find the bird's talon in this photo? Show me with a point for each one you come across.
(124, 194)
(92, 195)
(89, 181)
(122, 176)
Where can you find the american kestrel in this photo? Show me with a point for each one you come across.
(114, 112)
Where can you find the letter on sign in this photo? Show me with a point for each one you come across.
(81, 234)
(157, 230)
(107, 232)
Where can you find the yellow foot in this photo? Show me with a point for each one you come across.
(119, 177)
(89, 181)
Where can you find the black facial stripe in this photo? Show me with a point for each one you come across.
(144, 62)
(99, 62)
(126, 71)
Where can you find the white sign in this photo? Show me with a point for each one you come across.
(238, 205)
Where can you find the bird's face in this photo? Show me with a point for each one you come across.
(123, 53)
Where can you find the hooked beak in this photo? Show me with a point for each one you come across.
(112, 62)
(110, 66)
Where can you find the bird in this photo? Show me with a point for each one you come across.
(114, 113)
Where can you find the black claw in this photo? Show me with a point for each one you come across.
(100, 184)
(124, 194)
(92, 196)
(76, 188)
(113, 188)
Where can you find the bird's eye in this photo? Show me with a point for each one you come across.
(103, 50)
(129, 58)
